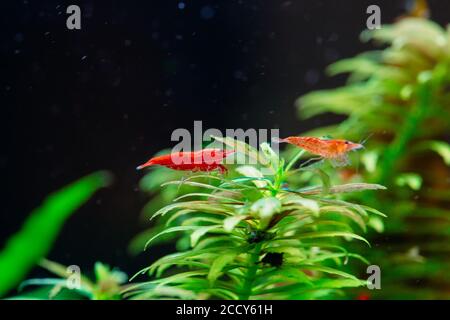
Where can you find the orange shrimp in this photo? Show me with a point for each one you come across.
(202, 160)
(334, 149)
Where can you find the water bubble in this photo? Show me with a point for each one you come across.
(181, 5)
(207, 12)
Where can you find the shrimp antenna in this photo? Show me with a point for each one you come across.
(367, 138)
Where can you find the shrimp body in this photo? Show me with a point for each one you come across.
(333, 149)
(202, 160)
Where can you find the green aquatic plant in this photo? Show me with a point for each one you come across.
(29, 245)
(106, 285)
(400, 96)
(253, 237)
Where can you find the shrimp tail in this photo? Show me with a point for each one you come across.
(278, 140)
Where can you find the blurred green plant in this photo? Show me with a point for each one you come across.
(401, 96)
(28, 246)
(107, 285)
(251, 237)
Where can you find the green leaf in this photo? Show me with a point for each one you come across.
(201, 231)
(200, 219)
(264, 209)
(198, 185)
(326, 185)
(206, 195)
(443, 149)
(61, 271)
(340, 283)
(345, 212)
(58, 285)
(148, 291)
(344, 188)
(274, 159)
(223, 293)
(201, 206)
(152, 181)
(327, 256)
(326, 270)
(363, 65)
(252, 172)
(231, 222)
(34, 240)
(219, 263)
(412, 180)
(331, 234)
(179, 277)
(216, 241)
(170, 230)
(374, 211)
(42, 282)
(177, 258)
(244, 148)
(276, 276)
(294, 159)
(369, 159)
(376, 223)
(304, 202)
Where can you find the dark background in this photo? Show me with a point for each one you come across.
(108, 96)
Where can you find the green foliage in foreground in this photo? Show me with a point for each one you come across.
(107, 284)
(252, 237)
(24, 249)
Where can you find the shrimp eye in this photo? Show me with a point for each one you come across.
(347, 142)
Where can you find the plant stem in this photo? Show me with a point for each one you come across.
(281, 174)
(246, 291)
(406, 133)
(294, 160)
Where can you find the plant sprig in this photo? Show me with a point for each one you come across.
(249, 237)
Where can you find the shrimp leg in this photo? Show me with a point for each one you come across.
(303, 165)
(340, 161)
(222, 169)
